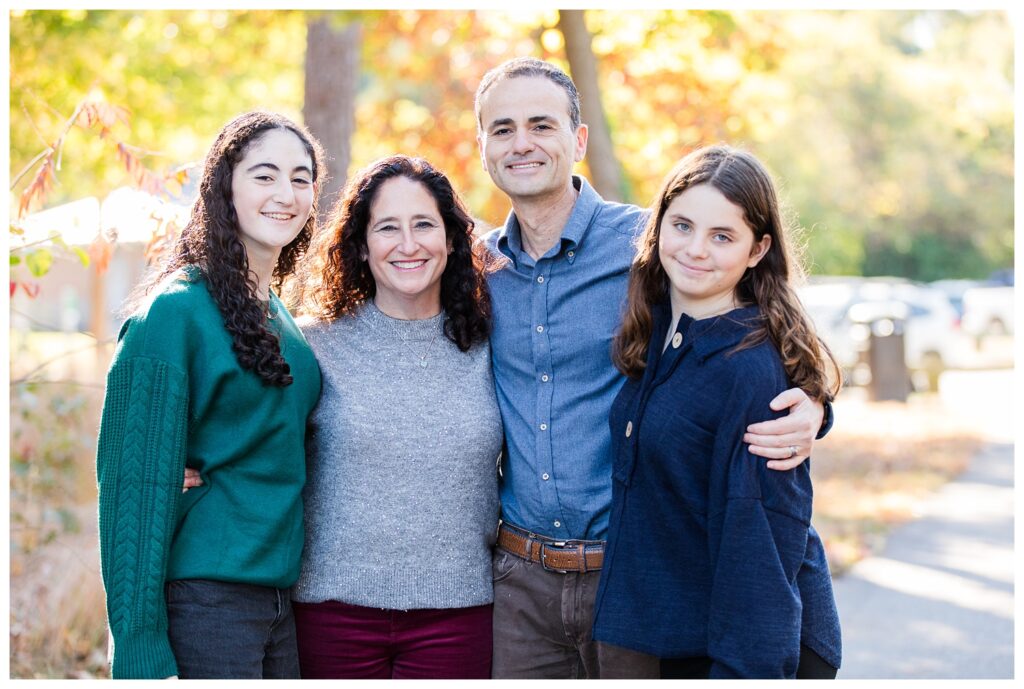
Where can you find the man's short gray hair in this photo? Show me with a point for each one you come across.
(530, 67)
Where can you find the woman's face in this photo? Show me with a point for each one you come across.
(407, 249)
(705, 246)
(272, 192)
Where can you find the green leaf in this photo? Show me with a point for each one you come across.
(15, 260)
(39, 262)
(82, 254)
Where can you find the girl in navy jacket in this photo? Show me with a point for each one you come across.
(712, 562)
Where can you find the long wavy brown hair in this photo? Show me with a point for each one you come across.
(339, 280)
(210, 241)
(744, 181)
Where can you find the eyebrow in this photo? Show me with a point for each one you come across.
(532, 120)
(393, 218)
(720, 228)
(301, 168)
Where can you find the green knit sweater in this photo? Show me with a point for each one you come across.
(176, 396)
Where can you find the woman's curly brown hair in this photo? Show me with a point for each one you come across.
(339, 280)
(210, 242)
(744, 181)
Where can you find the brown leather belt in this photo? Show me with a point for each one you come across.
(554, 556)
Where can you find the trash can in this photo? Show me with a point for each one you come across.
(879, 326)
(890, 379)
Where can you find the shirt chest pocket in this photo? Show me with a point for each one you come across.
(681, 455)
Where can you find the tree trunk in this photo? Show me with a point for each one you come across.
(604, 166)
(332, 74)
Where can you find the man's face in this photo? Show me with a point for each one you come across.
(527, 144)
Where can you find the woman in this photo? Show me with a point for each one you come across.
(211, 373)
(712, 564)
(401, 501)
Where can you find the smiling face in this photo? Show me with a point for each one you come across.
(407, 249)
(527, 144)
(705, 246)
(272, 193)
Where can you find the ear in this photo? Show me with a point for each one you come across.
(581, 142)
(759, 250)
(480, 145)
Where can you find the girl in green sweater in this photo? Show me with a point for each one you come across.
(211, 373)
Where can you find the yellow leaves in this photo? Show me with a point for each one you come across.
(552, 41)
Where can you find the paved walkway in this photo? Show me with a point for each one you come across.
(938, 601)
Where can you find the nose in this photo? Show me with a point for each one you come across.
(522, 143)
(408, 244)
(284, 193)
(697, 247)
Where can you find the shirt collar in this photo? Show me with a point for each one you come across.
(708, 335)
(588, 203)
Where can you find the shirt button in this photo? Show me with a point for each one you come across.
(545, 477)
(629, 429)
(540, 328)
(543, 427)
(545, 378)
(558, 524)
(540, 278)
(570, 254)
(677, 340)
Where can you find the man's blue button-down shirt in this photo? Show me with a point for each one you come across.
(554, 320)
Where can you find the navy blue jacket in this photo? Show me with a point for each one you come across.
(710, 553)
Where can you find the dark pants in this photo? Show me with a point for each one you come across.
(811, 666)
(542, 623)
(221, 630)
(342, 641)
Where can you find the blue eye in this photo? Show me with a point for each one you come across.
(682, 226)
(720, 237)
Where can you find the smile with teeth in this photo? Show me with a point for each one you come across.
(408, 265)
(524, 166)
(278, 216)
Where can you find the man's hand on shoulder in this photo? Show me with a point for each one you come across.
(787, 441)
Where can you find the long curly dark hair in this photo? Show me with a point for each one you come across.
(210, 242)
(339, 280)
(744, 181)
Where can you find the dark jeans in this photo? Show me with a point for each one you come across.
(222, 630)
(542, 623)
(811, 666)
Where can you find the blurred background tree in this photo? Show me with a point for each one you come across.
(892, 131)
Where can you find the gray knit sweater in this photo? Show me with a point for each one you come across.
(401, 498)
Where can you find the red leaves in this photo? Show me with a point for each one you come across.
(104, 117)
(34, 194)
(100, 252)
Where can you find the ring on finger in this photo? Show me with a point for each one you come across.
(792, 451)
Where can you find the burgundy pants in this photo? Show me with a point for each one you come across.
(341, 641)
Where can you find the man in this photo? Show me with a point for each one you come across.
(557, 302)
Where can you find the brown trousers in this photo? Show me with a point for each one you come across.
(542, 623)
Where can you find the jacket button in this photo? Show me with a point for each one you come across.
(629, 429)
(677, 340)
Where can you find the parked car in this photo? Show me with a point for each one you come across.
(988, 311)
(954, 291)
(843, 310)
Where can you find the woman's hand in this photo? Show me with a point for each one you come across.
(192, 480)
(787, 441)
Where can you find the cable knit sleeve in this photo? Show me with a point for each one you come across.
(139, 464)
